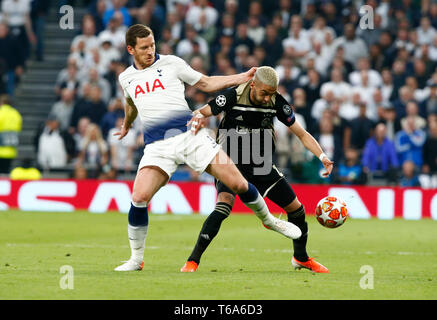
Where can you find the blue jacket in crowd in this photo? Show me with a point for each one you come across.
(409, 146)
(379, 157)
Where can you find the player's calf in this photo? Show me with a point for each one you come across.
(210, 228)
(138, 218)
(297, 217)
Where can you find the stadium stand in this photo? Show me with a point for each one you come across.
(35, 95)
(329, 67)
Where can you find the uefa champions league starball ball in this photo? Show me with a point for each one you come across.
(331, 212)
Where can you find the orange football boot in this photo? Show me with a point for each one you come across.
(189, 266)
(311, 264)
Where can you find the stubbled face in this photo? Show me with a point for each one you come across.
(144, 51)
(261, 93)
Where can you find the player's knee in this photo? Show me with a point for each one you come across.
(240, 186)
(138, 197)
(293, 206)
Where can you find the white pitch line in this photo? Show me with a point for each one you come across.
(87, 245)
(66, 245)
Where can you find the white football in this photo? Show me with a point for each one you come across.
(331, 212)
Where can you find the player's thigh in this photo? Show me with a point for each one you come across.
(160, 154)
(147, 182)
(222, 168)
(197, 151)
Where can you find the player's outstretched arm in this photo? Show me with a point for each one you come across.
(217, 83)
(198, 121)
(205, 111)
(311, 144)
(130, 114)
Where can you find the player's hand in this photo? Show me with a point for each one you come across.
(122, 133)
(197, 122)
(248, 75)
(329, 165)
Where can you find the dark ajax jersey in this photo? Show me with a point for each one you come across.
(246, 131)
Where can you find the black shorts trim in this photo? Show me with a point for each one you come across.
(281, 193)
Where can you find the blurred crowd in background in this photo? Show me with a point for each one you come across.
(367, 94)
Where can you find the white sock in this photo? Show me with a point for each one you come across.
(259, 207)
(137, 240)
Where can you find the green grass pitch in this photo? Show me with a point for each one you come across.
(245, 261)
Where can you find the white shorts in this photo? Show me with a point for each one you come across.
(196, 151)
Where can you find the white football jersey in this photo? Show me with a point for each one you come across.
(158, 92)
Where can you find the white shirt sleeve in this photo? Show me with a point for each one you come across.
(122, 85)
(185, 73)
(126, 94)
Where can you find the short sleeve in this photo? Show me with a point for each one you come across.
(185, 73)
(284, 112)
(126, 94)
(123, 87)
(223, 101)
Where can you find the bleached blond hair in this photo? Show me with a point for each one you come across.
(267, 75)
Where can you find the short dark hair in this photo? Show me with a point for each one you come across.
(137, 31)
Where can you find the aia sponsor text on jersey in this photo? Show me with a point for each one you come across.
(148, 88)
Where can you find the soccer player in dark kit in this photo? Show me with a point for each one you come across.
(246, 133)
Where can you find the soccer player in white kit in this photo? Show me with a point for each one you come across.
(154, 90)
